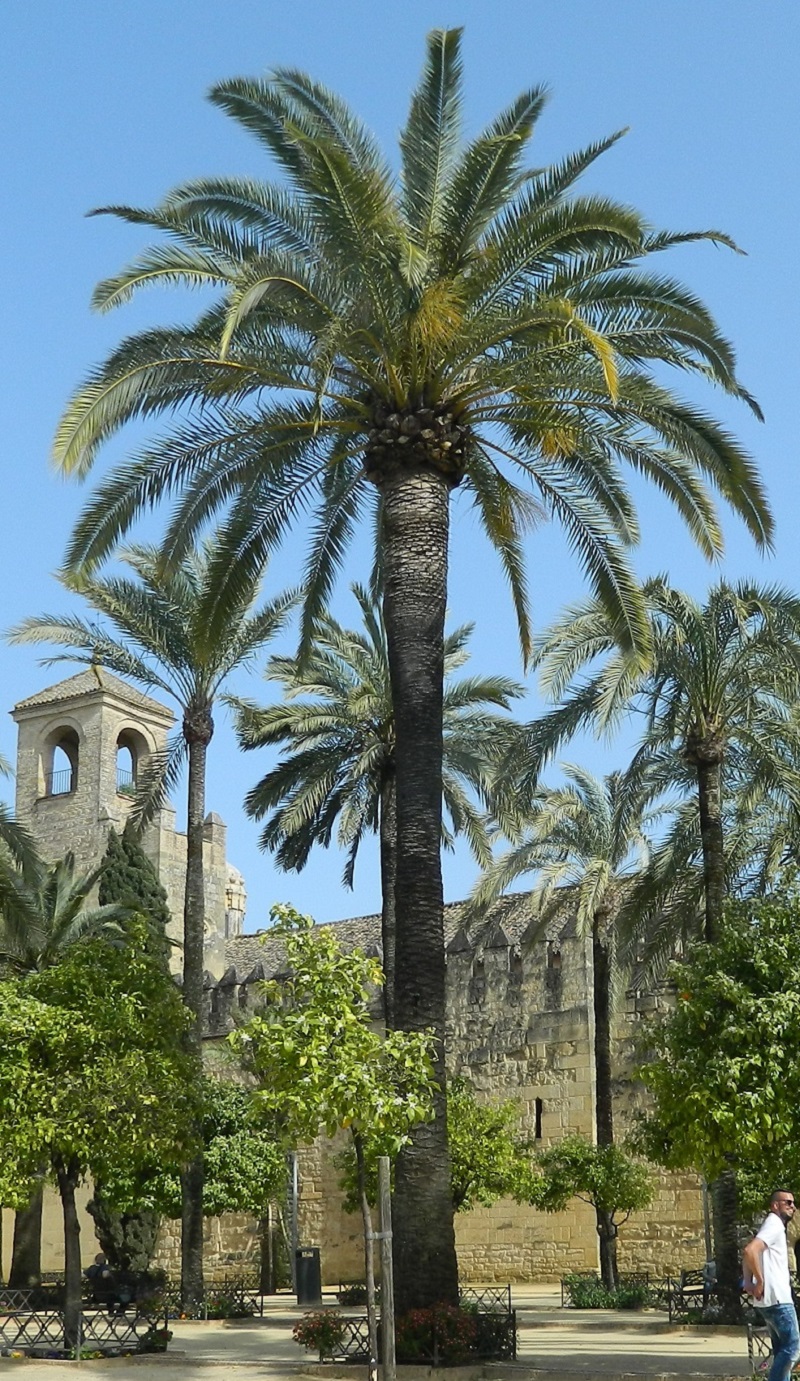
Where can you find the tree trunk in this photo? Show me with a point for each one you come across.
(369, 1258)
(267, 1275)
(601, 974)
(198, 728)
(388, 845)
(415, 529)
(724, 1199)
(26, 1257)
(67, 1176)
(709, 792)
(607, 1237)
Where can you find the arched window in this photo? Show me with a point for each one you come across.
(126, 768)
(61, 769)
(131, 750)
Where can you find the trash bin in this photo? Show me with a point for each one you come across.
(308, 1275)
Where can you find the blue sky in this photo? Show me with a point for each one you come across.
(103, 103)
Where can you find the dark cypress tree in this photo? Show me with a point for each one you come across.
(130, 878)
(128, 1239)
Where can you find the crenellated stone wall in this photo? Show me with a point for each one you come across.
(519, 1008)
(519, 1025)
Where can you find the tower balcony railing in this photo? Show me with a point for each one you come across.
(59, 783)
(126, 781)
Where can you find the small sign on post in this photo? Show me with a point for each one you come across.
(387, 1279)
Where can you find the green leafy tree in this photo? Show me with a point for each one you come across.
(336, 726)
(244, 1165)
(613, 1182)
(91, 1079)
(375, 343)
(244, 1170)
(162, 637)
(321, 1066)
(583, 841)
(45, 910)
(721, 1066)
(489, 1160)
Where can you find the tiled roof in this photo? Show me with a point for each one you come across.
(89, 682)
(512, 914)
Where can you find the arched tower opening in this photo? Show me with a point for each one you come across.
(132, 750)
(60, 759)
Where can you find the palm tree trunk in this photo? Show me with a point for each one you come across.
(388, 847)
(26, 1255)
(67, 1176)
(706, 756)
(601, 974)
(198, 728)
(415, 507)
(709, 793)
(724, 1199)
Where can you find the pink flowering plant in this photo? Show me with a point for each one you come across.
(321, 1332)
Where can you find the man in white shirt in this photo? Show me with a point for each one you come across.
(766, 1277)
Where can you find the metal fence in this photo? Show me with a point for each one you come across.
(232, 1295)
(491, 1299)
(491, 1320)
(32, 1322)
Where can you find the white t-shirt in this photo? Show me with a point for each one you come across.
(774, 1263)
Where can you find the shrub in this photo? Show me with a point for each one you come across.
(443, 1334)
(221, 1304)
(631, 1297)
(587, 1292)
(322, 1332)
(155, 1340)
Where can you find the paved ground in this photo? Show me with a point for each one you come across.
(554, 1345)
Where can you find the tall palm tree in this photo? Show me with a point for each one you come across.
(162, 638)
(584, 841)
(717, 696)
(44, 909)
(377, 342)
(337, 770)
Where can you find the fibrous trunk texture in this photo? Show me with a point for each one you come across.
(708, 765)
(388, 845)
(415, 529)
(601, 966)
(724, 1199)
(198, 729)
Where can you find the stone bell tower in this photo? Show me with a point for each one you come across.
(81, 746)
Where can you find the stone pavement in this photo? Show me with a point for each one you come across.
(554, 1345)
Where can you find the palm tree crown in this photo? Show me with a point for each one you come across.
(473, 318)
(717, 697)
(340, 747)
(336, 725)
(44, 909)
(583, 841)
